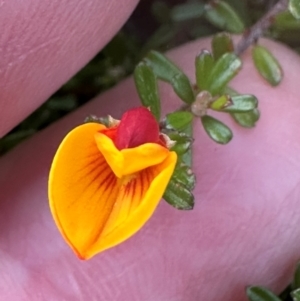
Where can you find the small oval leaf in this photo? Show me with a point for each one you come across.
(216, 130)
(294, 8)
(267, 65)
(221, 103)
(179, 196)
(222, 15)
(187, 11)
(182, 87)
(227, 66)
(204, 63)
(241, 103)
(221, 44)
(162, 67)
(178, 120)
(247, 119)
(258, 293)
(147, 88)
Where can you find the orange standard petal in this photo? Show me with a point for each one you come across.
(99, 195)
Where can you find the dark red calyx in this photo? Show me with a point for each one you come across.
(137, 126)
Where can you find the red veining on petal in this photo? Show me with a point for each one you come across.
(110, 181)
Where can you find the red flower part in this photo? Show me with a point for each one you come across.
(137, 126)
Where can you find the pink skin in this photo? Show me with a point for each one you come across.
(244, 228)
(43, 43)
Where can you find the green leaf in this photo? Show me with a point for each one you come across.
(221, 44)
(182, 87)
(222, 15)
(187, 157)
(204, 63)
(147, 88)
(247, 119)
(267, 65)
(163, 68)
(183, 144)
(184, 174)
(294, 8)
(178, 195)
(296, 294)
(226, 67)
(181, 148)
(286, 21)
(181, 123)
(229, 91)
(178, 120)
(296, 279)
(162, 36)
(187, 11)
(259, 293)
(240, 103)
(221, 103)
(216, 130)
(242, 9)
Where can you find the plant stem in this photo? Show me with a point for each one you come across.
(256, 31)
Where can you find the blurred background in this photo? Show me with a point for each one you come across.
(159, 25)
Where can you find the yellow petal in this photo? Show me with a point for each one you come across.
(94, 209)
(131, 160)
(82, 188)
(136, 203)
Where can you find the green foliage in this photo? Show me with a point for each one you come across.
(183, 88)
(267, 65)
(204, 63)
(178, 195)
(145, 81)
(221, 44)
(259, 293)
(247, 119)
(240, 103)
(294, 8)
(296, 279)
(223, 71)
(178, 126)
(183, 142)
(222, 15)
(187, 11)
(221, 103)
(216, 130)
(162, 67)
(178, 120)
(296, 295)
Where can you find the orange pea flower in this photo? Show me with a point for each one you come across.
(105, 182)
